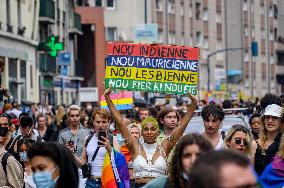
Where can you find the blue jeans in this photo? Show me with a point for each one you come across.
(91, 183)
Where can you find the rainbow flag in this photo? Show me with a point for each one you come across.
(123, 100)
(108, 178)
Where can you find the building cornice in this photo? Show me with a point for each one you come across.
(19, 38)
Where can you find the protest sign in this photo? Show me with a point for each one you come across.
(123, 100)
(153, 68)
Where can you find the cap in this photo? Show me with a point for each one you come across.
(273, 110)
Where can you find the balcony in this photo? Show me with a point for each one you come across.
(205, 29)
(21, 31)
(47, 11)
(47, 64)
(245, 14)
(9, 28)
(172, 23)
(219, 31)
(160, 20)
(58, 15)
(205, 3)
(218, 6)
(77, 28)
(271, 25)
(79, 68)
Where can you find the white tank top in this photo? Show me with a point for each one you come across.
(145, 168)
(97, 164)
(220, 143)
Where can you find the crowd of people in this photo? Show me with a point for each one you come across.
(92, 147)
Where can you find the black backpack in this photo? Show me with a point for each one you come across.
(4, 161)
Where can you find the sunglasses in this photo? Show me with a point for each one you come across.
(239, 141)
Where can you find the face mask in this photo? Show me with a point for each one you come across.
(44, 179)
(4, 131)
(23, 156)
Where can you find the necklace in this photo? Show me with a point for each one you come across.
(150, 150)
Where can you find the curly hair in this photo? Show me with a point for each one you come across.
(268, 99)
(176, 168)
(212, 110)
(253, 116)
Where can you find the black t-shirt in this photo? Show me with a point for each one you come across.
(51, 133)
(262, 159)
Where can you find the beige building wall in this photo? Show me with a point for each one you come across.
(18, 43)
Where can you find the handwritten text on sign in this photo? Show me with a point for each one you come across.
(154, 68)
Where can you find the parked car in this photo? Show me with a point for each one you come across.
(196, 123)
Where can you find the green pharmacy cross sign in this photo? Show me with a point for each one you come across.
(53, 46)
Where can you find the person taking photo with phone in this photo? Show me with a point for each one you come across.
(96, 148)
(73, 136)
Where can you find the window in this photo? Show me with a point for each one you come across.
(172, 38)
(271, 12)
(245, 5)
(160, 37)
(190, 42)
(262, 34)
(190, 11)
(246, 57)
(205, 43)
(23, 69)
(182, 41)
(31, 76)
(181, 8)
(111, 34)
(275, 34)
(13, 68)
(219, 56)
(271, 36)
(19, 14)
(205, 14)
(199, 39)
(246, 31)
(271, 59)
(171, 6)
(98, 3)
(159, 5)
(218, 18)
(110, 4)
(197, 13)
(8, 8)
(251, 6)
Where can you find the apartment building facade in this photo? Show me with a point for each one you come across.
(224, 30)
(18, 48)
(61, 76)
